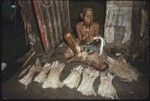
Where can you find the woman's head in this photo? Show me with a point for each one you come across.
(87, 15)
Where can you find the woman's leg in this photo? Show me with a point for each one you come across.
(72, 42)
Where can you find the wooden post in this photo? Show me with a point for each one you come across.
(40, 25)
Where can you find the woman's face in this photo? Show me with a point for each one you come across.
(88, 17)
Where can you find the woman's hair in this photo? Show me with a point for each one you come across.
(84, 10)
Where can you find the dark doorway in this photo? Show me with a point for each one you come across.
(13, 38)
(98, 6)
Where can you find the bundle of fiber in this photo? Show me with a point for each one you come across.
(42, 75)
(101, 45)
(106, 88)
(68, 52)
(27, 79)
(52, 80)
(83, 55)
(72, 81)
(38, 65)
(93, 60)
(25, 70)
(63, 45)
(86, 87)
(122, 69)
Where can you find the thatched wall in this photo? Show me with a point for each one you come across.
(127, 28)
(51, 17)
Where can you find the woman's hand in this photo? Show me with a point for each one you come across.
(90, 39)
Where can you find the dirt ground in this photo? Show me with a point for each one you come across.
(12, 89)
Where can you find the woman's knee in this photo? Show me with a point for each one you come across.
(68, 34)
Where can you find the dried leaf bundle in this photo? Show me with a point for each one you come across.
(86, 87)
(123, 70)
(27, 79)
(52, 80)
(42, 75)
(106, 88)
(72, 81)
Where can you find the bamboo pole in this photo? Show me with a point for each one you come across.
(28, 58)
(68, 16)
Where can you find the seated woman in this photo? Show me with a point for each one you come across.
(86, 31)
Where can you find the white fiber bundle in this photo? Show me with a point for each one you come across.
(27, 79)
(68, 52)
(106, 88)
(62, 45)
(86, 86)
(25, 70)
(42, 75)
(123, 70)
(52, 80)
(101, 45)
(72, 81)
(38, 65)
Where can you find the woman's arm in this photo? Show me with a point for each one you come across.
(96, 29)
(78, 29)
(82, 39)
